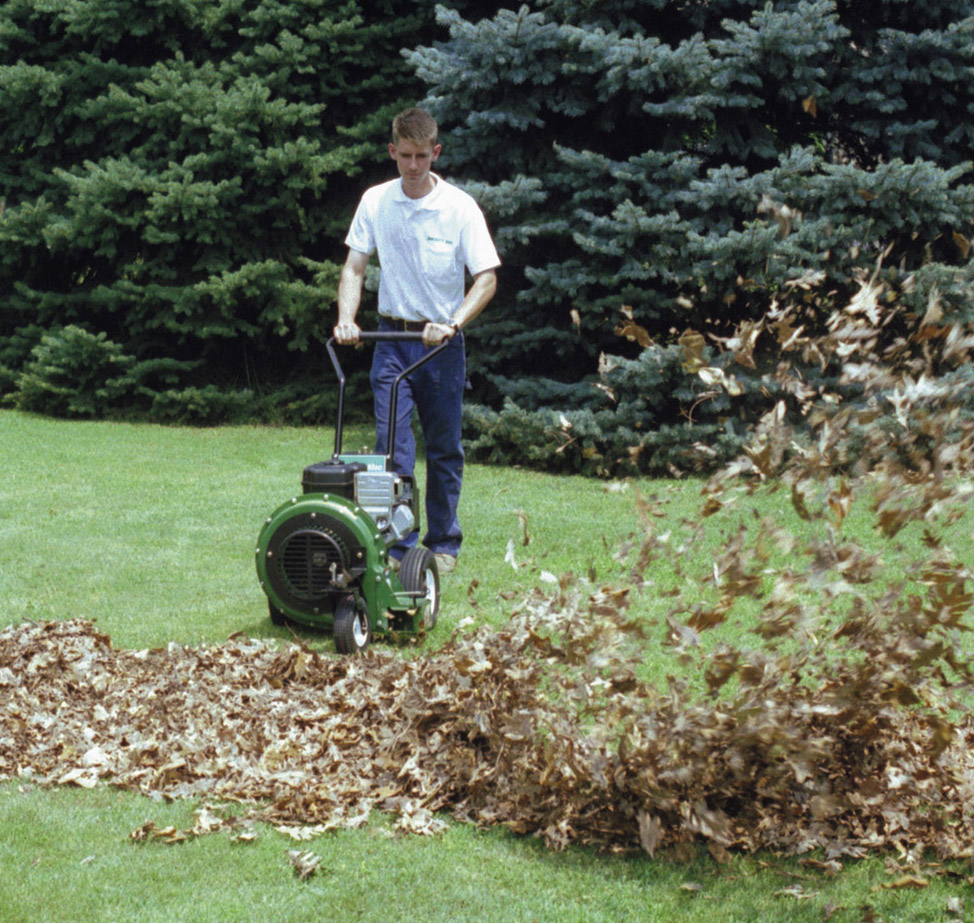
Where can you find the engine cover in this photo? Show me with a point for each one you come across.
(311, 550)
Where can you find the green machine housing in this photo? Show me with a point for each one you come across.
(323, 557)
(332, 541)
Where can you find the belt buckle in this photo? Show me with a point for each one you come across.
(407, 326)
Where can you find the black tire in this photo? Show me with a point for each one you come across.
(352, 630)
(277, 617)
(418, 572)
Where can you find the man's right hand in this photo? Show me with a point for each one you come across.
(347, 333)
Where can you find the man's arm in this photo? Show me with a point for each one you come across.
(350, 296)
(480, 292)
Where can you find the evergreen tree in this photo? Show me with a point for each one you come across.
(173, 175)
(689, 162)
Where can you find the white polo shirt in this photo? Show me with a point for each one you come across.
(423, 247)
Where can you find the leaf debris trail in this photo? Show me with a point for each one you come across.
(544, 725)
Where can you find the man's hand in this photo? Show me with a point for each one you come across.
(350, 284)
(347, 333)
(434, 334)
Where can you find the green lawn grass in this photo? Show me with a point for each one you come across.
(150, 531)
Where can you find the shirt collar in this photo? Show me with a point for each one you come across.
(427, 201)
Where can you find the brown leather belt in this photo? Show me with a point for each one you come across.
(409, 326)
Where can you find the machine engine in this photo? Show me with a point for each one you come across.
(315, 547)
(387, 497)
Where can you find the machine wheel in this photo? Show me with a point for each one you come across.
(352, 631)
(419, 572)
(277, 617)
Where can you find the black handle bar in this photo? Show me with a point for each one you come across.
(378, 335)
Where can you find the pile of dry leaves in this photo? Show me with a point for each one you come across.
(843, 726)
(841, 729)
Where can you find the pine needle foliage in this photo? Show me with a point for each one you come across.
(173, 179)
(679, 168)
(176, 180)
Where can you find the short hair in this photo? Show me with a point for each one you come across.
(415, 125)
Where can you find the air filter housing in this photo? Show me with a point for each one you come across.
(333, 476)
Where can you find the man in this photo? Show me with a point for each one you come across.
(426, 232)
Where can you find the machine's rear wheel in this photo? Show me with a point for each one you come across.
(352, 631)
(419, 573)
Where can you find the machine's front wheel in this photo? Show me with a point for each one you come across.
(419, 573)
(352, 631)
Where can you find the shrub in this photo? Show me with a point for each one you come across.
(73, 373)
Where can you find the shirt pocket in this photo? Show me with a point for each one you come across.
(439, 258)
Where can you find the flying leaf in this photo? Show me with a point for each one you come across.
(634, 333)
(692, 344)
(305, 864)
(963, 244)
(650, 832)
(798, 502)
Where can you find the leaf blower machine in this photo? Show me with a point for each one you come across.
(323, 557)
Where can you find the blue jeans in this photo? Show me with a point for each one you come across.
(435, 390)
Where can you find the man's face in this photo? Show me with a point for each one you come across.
(414, 160)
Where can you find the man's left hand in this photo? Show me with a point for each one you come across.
(434, 334)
